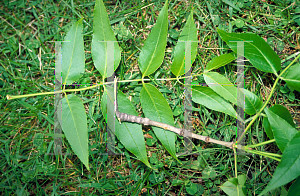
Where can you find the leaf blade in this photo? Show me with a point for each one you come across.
(207, 97)
(153, 51)
(219, 61)
(252, 102)
(103, 32)
(234, 186)
(288, 168)
(74, 120)
(292, 77)
(155, 107)
(222, 86)
(257, 51)
(283, 132)
(294, 190)
(189, 33)
(73, 54)
(129, 134)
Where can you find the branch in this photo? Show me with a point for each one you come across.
(182, 132)
(268, 99)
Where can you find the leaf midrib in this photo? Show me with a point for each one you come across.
(189, 30)
(216, 82)
(250, 43)
(213, 99)
(160, 119)
(152, 56)
(126, 125)
(69, 105)
(72, 53)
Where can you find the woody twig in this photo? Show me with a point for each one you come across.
(182, 132)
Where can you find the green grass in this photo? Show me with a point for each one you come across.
(27, 66)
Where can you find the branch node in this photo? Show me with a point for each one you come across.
(207, 139)
(181, 132)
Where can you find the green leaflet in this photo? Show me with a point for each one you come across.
(288, 168)
(228, 91)
(189, 33)
(108, 107)
(294, 190)
(258, 52)
(129, 134)
(283, 132)
(222, 86)
(219, 61)
(156, 107)
(153, 52)
(268, 128)
(73, 54)
(292, 77)
(101, 54)
(283, 113)
(207, 97)
(74, 125)
(234, 186)
(252, 102)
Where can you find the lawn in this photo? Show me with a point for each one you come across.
(29, 30)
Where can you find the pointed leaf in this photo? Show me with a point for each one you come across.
(252, 102)
(289, 166)
(102, 32)
(153, 52)
(268, 128)
(258, 52)
(234, 186)
(207, 97)
(282, 130)
(294, 190)
(73, 54)
(156, 107)
(222, 86)
(292, 77)
(129, 134)
(74, 125)
(228, 91)
(219, 61)
(189, 33)
(283, 113)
